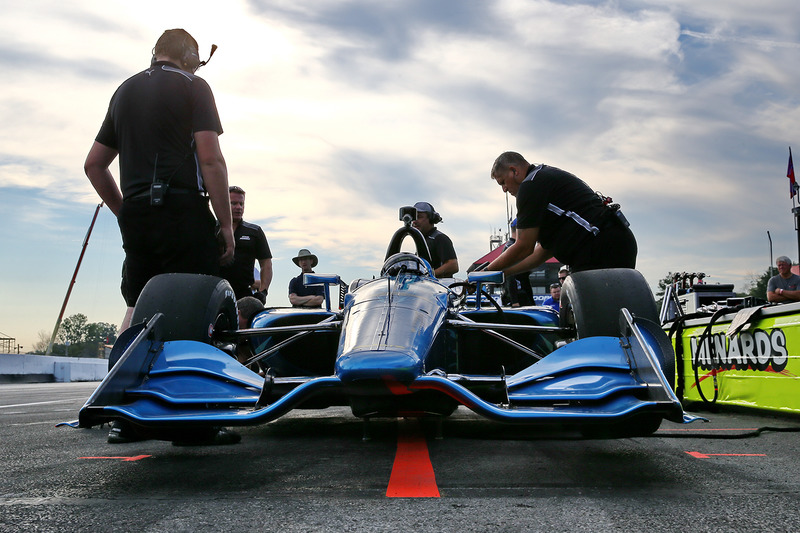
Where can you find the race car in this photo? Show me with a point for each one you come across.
(402, 344)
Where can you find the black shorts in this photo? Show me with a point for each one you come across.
(176, 237)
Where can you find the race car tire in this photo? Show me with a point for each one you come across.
(591, 300)
(194, 305)
(591, 303)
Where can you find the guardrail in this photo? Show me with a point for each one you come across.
(26, 368)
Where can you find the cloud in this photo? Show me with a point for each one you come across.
(337, 112)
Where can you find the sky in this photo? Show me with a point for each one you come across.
(338, 112)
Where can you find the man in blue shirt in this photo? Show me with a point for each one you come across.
(554, 300)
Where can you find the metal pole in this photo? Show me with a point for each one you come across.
(770, 254)
(796, 211)
(72, 282)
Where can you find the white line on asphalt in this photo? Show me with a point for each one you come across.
(40, 403)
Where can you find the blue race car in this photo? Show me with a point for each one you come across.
(402, 344)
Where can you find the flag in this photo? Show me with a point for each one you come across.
(790, 175)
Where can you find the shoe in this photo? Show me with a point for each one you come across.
(121, 433)
(214, 437)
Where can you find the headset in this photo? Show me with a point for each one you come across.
(189, 58)
(425, 207)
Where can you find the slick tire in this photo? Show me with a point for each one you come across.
(194, 306)
(591, 300)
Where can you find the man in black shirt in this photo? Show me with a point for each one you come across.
(163, 124)
(251, 246)
(559, 215)
(443, 254)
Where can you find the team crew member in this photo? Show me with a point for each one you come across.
(559, 215)
(251, 246)
(299, 294)
(443, 254)
(163, 124)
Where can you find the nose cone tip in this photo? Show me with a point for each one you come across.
(378, 364)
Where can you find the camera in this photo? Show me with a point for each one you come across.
(407, 214)
(158, 190)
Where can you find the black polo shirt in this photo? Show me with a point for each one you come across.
(564, 208)
(440, 247)
(251, 245)
(151, 121)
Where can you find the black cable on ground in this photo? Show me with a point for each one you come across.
(747, 435)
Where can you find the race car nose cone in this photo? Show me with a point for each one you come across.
(378, 364)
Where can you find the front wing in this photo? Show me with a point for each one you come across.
(185, 384)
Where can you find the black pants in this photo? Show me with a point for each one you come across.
(179, 236)
(614, 247)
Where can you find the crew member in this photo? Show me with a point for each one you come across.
(251, 246)
(443, 254)
(163, 124)
(559, 215)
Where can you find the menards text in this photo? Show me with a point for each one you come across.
(755, 350)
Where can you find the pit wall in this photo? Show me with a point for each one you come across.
(25, 368)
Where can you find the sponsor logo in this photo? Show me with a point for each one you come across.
(757, 350)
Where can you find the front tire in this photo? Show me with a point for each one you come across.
(591, 301)
(194, 306)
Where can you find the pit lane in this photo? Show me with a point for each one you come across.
(312, 471)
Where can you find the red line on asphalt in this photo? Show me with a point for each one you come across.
(132, 458)
(699, 455)
(412, 473)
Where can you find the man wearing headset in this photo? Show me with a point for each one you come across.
(163, 124)
(443, 255)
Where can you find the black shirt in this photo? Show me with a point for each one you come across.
(296, 287)
(440, 247)
(151, 121)
(566, 211)
(251, 245)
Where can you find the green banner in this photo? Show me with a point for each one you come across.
(757, 367)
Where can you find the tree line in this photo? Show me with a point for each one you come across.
(77, 337)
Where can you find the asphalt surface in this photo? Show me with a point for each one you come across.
(312, 471)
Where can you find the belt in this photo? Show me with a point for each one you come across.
(171, 190)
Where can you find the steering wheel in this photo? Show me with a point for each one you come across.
(406, 262)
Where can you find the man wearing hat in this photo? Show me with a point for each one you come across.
(785, 287)
(443, 255)
(299, 294)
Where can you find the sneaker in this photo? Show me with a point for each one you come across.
(121, 433)
(214, 437)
